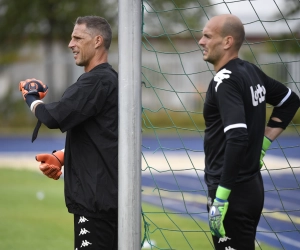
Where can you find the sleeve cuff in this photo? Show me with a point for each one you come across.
(33, 104)
(266, 143)
(223, 193)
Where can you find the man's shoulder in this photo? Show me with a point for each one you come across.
(104, 68)
(232, 75)
(237, 70)
(99, 74)
(240, 67)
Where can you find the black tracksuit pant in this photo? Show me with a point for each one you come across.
(245, 206)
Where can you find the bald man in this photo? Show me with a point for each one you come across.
(236, 136)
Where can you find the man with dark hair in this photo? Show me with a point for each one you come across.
(235, 117)
(97, 26)
(88, 112)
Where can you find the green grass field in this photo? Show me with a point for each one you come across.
(33, 213)
(33, 216)
(168, 230)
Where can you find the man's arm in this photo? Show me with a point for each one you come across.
(270, 135)
(281, 116)
(273, 133)
(43, 115)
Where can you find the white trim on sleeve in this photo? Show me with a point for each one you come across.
(33, 104)
(237, 125)
(285, 98)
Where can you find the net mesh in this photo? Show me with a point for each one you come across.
(175, 79)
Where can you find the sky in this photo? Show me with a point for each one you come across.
(259, 16)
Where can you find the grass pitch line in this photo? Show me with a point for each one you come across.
(179, 161)
(160, 162)
(19, 160)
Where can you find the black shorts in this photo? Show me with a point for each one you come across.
(95, 234)
(245, 206)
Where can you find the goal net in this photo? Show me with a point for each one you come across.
(175, 79)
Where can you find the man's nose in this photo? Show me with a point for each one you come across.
(201, 41)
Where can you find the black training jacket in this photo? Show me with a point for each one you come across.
(88, 112)
(235, 118)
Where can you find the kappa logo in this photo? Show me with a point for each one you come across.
(85, 243)
(83, 231)
(224, 239)
(220, 76)
(229, 248)
(82, 219)
(258, 95)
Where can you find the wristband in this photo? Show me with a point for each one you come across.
(266, 143)
(33, 104)
(269, 139)
(30, 99)
(59, 155)
(222, 193)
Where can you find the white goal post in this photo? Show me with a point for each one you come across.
(129, 37)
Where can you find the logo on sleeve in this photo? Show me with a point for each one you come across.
(220, 76)
(258, 94)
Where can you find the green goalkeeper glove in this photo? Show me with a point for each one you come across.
(218, 211)
(265, 146)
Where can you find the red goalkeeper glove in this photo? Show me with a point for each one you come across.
(33, 87)
(51, 164)
(33, 91)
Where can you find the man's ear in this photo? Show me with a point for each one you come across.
(98, 41)
(228, 42)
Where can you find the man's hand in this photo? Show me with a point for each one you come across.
(51, 164)
(265, 146)
(216, 217)
(33, 87)
(218, 211)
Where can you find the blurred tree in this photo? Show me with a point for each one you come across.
(291, 7)
(290, 42)
(46, 20)
(175, 17)
(49, 21)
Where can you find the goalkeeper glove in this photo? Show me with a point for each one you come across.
(218, 211)
(51, 164)
(32, 90)
(265, 146)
